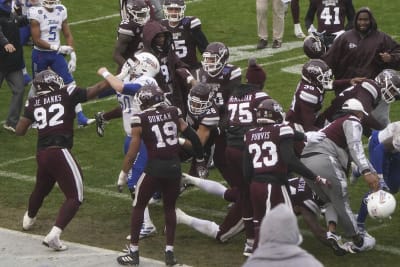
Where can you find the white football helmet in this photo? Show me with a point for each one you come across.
(50, 3)
(381, 204)
(146, 64)
(353, 104)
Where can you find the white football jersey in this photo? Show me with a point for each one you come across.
(128, 103)
(50, 23)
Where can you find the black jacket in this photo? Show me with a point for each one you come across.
(9, 33)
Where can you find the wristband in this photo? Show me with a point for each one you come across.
(367, 173)
(54, 47)
(105, 74)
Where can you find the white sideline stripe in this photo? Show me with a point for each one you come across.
(109, 193)
(14, 161)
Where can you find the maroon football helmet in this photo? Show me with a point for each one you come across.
(138, 11)
(313, 46)
(200, 98)
(215, 57)
(389, 82)
(269, 111)
(318, 73)
(47, 81)
(150, 95)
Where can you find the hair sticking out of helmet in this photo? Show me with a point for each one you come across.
(138, 11)
(255, 73)
(146, 64)
(174, 10)
(200, 98)
(381, 204)
(215, 57)
(47, 81)
(269, 111)
(389, 81)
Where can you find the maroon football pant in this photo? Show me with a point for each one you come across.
(57, 165)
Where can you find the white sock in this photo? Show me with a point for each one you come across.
(146, 217)
(169, 248)
(78, 108)
(133, 248)
(24, 71)
(206, 227)
(211, 187)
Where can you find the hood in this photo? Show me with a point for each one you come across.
(280, 226)
(150, 30)
(373, 26)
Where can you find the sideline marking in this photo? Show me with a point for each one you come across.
(14, 161)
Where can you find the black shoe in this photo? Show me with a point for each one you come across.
(262, 44)
(336, 244)
(276, 44)
(100, 122)
(132, 258)
(170, 258)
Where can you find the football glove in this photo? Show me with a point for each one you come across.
(65, 49)
(72, 62)
(122, 180)
(201, 168)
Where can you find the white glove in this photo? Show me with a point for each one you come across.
(315, 137)
(122, 180)
(72, 62)
(65, 49)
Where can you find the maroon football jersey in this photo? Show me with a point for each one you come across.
(262, 144)
(185, 44)
(135, 32)
(160, 128)
(54, 114)
(302, 195)
(331, 14)
(334, 131)
(306, 103)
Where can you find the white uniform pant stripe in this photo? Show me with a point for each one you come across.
(75, 170)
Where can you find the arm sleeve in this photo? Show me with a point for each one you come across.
(3, 39)
(200, 38)
(288, 156)
(353, 132)
(248, 170)
(190, 134)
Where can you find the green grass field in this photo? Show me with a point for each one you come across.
(104, 217)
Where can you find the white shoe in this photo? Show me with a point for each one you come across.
(54, 243)
(298, 32)
(28, 222)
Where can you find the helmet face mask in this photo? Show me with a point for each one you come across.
(50, 4)
(146, 64)
(389, 81)
(215, 58)
(381, 204)
(269, 111)
(174, 10)
(47, 81)
(200, 99)
(138, 11)
(318, 73)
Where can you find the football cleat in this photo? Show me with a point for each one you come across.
(100, 123)
(368, 244)
(248, 249)
(54, 243)
(146, 231)
(132, 258)
(9, 128)
(336, 244)
(170, 258)
(28, 222)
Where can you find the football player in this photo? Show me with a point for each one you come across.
(330, 158)
(186, 32)
(268, 157)
(331, 18)
(384, 155)
(158, 125)
(138, 73)
(53, 111)
(47, 21)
